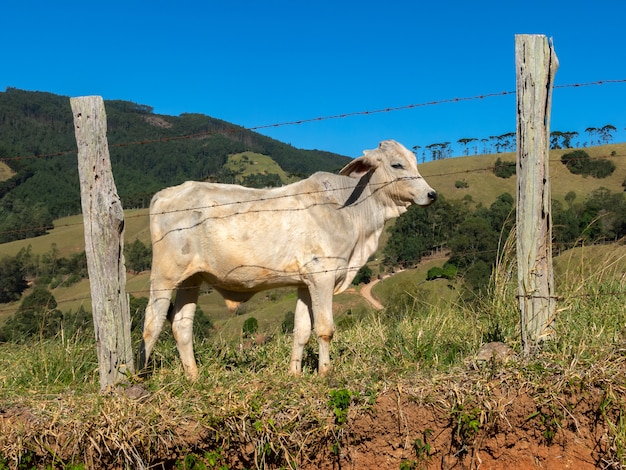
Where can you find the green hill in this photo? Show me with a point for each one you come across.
(148, 152)
(483, 186)
(38, 124)
(248, 164)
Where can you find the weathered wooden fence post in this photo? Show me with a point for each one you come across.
(103, 219)
(536, 65)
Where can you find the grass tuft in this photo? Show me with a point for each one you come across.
(246, 408)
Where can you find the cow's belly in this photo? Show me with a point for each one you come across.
(250, 278)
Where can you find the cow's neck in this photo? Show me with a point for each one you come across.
(376, 211)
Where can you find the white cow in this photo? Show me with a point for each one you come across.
(314, 234)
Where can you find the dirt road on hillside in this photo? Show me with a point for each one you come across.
(366, 290)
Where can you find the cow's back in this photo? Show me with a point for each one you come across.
(238, 236)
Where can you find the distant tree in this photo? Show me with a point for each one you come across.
(30, 262)
(37, 316)
(258, 180)
(420, 231)
(363, 276)
(288, 323)
(502, 213)
(565, 226)
(202, 324)
(606, 133)
(508, 141)
(504, 169)
(567, 139)
(575, 161)
(474, 244)
(12, 280)
(448, 271)
(555, 140)
(416, 151)
(440, 150)
(578, 162)
(495, 143)
(592, 131)
(250, 326)
(485, 147)
(569, 198)
(609, 210)
(465, 144)
(137, 256)
(561, 140)
(602, 216)
(20, 219)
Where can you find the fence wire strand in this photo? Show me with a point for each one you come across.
(235, 129)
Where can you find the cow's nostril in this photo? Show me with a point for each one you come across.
(432, 195)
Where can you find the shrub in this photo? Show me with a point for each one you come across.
(250, 326)
(12, 281)
(449, 271)
(36, 316)
(364, 276)
(503, 169)
(288, 323)
(578, 162)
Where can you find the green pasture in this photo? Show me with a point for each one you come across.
(251, 163)
(483, 187)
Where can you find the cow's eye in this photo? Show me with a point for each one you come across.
(397, 166)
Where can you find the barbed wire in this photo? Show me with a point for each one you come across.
(490, 168)
(558, 298)
(299, 122)
(236, 128)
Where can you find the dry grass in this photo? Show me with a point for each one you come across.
(245, 408)
(484, 187)
(5, 172)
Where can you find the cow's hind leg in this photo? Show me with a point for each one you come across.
(182, 323)
(301, 329)
(155, 315)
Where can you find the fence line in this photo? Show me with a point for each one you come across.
(261, 199)
(316, 119)
(558, 298)
(303, 121)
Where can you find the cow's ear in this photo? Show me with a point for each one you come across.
(359, 166)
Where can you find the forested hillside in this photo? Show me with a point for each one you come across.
(148, 152)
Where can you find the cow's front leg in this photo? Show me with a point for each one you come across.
(301, 329)
(322, 305)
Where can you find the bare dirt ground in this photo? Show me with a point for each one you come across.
(366, 292)
(400, 432)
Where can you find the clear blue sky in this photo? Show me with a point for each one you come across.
(255, 63)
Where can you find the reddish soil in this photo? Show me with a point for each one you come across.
(518, 439)
(399, 432)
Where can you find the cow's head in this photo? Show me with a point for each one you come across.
(394, 171)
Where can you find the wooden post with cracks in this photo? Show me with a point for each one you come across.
(103, 219)
(536, 65)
